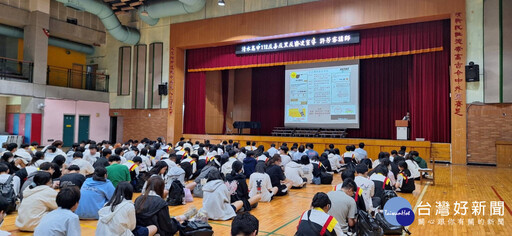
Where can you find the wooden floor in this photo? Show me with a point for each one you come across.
(453, 183)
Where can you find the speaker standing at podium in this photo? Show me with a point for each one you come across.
(402, 127)
(407, 117)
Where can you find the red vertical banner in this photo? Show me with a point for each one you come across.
(458, 87)
(9, 125)
(35, 133)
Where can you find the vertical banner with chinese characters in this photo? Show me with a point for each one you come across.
(458, 87)
(176, 91)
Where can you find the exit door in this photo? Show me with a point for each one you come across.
(83, 128)
(68, 135)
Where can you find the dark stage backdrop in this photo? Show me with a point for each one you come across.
(267, 101)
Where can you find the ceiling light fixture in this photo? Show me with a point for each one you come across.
(221, 3)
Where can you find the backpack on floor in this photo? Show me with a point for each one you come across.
(388, 194)
(195, 228)
(176, 194)
(325, 178)
(366, 225)
(388, 229)
(7, 191)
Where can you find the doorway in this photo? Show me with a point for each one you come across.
(83, 128)
(76, 76)
(68, 134)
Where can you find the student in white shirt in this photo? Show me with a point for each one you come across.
(272, 150)
(285, 159)
(23, 153)
(85, 167)
(5, 175)
(63, 220)
(50, 153)
(92, 155)
(259, 183)
(412, 166)
(367, 186)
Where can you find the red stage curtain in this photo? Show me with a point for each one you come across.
(382, 96)
(195, 101)
(267, 101)
(374, 43)
(225, 94)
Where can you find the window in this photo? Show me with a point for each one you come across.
(124, 67)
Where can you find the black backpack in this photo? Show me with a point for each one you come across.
(195, 228)
(388, 229)
(366, 225)
(7, 191)
(388, 194)
(325, 178)
(176, 194)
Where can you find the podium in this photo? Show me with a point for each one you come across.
(402, 129)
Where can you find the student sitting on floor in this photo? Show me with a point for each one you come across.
(45, 167)
(277, 176)
(404, 182)
(295, 173)
(412, 167)
(72, 178)
(249, 164)
(213, 164)
(4, 205)
(421, 162)
(117, 217)
(307, 168)
(95, 192)
(152, 210)
(116, 171)
(226, 167)
(335, 160)
(39, 199)
(63, 220)
(344, 208)
(242, 191)
(85, 167)
(217, 200)
(245, 224)
(316, 221)
(260, 183)
(367, 186)
(285, 159)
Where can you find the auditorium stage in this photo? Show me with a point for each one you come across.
(426, 149)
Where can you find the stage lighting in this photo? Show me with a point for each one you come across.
(221, 3)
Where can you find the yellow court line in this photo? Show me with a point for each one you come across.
(88, 226)
(418, 203)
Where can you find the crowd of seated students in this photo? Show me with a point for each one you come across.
(100, 179)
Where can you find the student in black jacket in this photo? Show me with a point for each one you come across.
(242, 191)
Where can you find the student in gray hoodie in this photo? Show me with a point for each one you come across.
(217, 199)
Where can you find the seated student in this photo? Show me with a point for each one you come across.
(45, 167)
(217, 200)
(298, 155)
(152, 210)
(95, 191)
(272, 150)
(358, 195)
(412, 166)
(277, 176)
(335, 160)
(404, 182)
(133, 166)
(69, 154)
(260, 183)
(381, 181)
(324, 159)
(295, 173)
(343, 207)
(367, 186)
(307, 168)
(245, 224)
(394, 154)
(242, 191)
(316, 221)
(226, 167)
(23, 173)
(92, 155)
(201, 160)
(50, 153)
(59, 167)
(132, 152)
(103, 159)
(160, 170)
(72, 178)
(23, 153)
(116, 171)
(213, 164)
(249, 164)
(117, 217)
(189, 165)
(63, 220)
(285, 159)
(85, 167)
(421, 162)
(38, 200)
(349, 155)
(37, 160)
(292, 151)
(146, 162)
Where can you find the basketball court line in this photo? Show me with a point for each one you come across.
(423, 191)
(282, 226)
(501, 199)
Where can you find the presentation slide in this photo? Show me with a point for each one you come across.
(322, 95)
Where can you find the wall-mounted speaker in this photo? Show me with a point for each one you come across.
(472, 72)
(162, 89)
